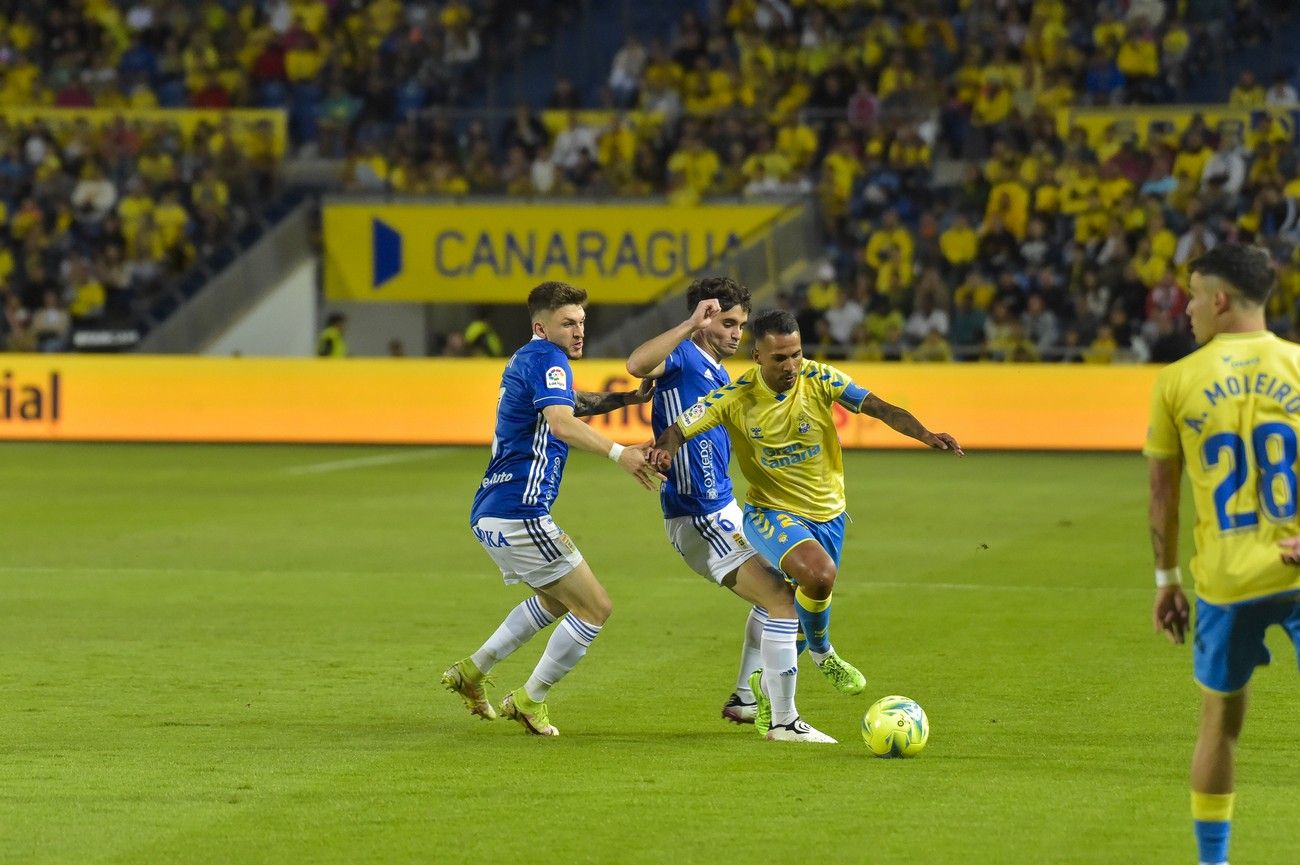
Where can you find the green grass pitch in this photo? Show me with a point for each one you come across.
(231, 654)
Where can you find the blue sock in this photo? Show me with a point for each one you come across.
(814, 621)
(1212, 840)
(1212, 819)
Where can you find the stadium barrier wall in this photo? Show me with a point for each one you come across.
(429, 402)
(472, 252)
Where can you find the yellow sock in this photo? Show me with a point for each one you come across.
(810, 604)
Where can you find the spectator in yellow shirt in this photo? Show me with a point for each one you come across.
(992, 105)
(766, 161)
(823, 292)
(1248, 93)
(696, 163)
(1139, 60)
(975, 290)
(1010, 200)
(890, 233)
(1103, 347)
(958, 244)
(172, 220)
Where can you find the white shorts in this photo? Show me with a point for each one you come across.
(713, 546)
(532, 551)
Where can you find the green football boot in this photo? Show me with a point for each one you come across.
(531, 715)
(846, 678)
(763, 715)
(464, 678)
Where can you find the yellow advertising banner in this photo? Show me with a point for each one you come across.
(495, 253)
(434, 402)
(1156, 121)
(243, 121)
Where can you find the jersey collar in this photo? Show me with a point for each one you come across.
(1251, 334)
(704, 354)
(761, 384)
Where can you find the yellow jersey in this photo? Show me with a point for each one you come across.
(786, 443)
(1229, 410)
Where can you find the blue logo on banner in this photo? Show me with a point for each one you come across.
(387, 245)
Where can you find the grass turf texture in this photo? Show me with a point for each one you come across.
(231, 654)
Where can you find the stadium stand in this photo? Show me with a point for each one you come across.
(133, 153)
(981, 192)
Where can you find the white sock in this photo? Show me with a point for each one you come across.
(564, 650)
(520, 626)
(818, 657)
(781, 667)
(751, 653)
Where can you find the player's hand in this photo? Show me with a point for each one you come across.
(1290, 550)
(659, 458)
(705, 312)
(1170, 613)
(643, 393)
(633, 461)
(945, 442)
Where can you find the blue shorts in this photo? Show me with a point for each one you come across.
(774, 533)
(1229, 641)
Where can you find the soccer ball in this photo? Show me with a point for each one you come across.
(895, 727)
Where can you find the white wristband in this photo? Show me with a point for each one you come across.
(615, 451)
(1168, 577)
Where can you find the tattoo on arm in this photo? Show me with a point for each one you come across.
(1158, 544)
(587, 403)
(897, 418)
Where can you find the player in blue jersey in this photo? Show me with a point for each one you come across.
(701, 517)
(537, 422)
(1227, 413)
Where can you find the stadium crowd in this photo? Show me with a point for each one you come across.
(1054, 242)
(104, 212)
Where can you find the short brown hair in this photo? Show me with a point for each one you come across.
(727, 292)
(553, 295)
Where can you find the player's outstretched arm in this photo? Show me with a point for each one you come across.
(901, 420)
(1170, 612)
(573, 432)
(647, 359)
(588, 403)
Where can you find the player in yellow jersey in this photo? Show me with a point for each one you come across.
(1228, 411)
(780, 417)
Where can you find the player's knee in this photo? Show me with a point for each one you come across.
(598, 611)
(818, 582)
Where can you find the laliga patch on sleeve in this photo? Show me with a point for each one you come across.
(693, 413)
(556, 379)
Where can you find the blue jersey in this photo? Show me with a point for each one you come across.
(523, 476)
(697, 483)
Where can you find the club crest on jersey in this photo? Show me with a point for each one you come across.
(804, 426)
(755, 432)
(555, 378)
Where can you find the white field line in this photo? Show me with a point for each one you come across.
(364, 462)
